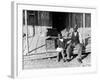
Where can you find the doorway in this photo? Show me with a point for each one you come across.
(60, 20)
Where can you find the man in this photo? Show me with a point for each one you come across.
(60, 48)
(76, 41)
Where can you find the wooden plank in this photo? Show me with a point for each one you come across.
(40, 56)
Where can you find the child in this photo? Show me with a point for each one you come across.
(60, 48)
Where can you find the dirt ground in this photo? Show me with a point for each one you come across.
(52, 63)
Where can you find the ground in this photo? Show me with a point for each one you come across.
(52, 63)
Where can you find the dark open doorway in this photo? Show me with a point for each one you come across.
(60, 20)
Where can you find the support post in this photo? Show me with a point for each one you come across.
(83, 27)
(27, 46)
(69, 20)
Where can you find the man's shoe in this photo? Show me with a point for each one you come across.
(68, 60)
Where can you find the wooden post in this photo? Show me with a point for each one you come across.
(83, 27)
(69, 20)
(74, 18)
(38, 18)
(27, 46)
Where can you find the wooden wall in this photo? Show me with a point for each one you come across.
(44, 18)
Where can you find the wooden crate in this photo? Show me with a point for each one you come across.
(50, 44)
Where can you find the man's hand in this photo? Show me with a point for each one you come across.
(68, 41)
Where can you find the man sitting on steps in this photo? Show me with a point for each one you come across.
(76, 41)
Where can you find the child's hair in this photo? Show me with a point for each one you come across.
(59, 34)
